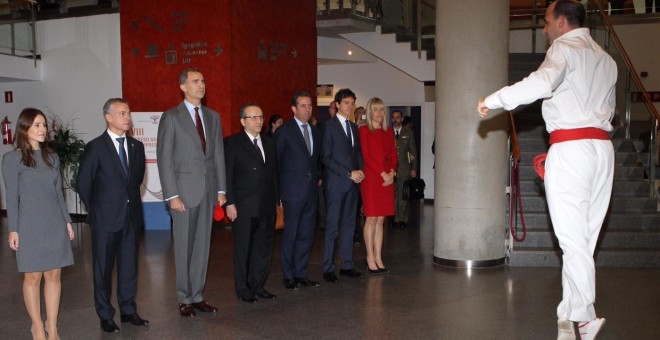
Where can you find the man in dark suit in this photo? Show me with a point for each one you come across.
(251, 162)
(191, 165)
(298, 146)
(342, 159)
(109, 178)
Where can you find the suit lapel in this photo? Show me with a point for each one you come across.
(297, 131)
(266, 146)
(250, 149)
(208, 122)
(187, 123)
(316, 148)
(131, 155)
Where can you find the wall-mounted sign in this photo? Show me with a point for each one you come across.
(324, 90)
(637, 96)
(274, 50)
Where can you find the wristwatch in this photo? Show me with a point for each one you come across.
(349, 175)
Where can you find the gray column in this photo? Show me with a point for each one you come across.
(472, 43)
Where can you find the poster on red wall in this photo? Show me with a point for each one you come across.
(162, 38)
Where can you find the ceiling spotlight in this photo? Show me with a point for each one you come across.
(350, 52)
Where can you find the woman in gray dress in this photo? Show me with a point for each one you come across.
(38, 220)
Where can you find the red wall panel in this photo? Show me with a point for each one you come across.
(249, 51)
(284, 32)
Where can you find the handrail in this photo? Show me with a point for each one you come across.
(17, 3)
(626, 60)
(633, 76)
(31, 20)
(515, 196)
(515, 145)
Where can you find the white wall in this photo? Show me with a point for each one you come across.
(80, 70)
(641, 42)
(377, 79)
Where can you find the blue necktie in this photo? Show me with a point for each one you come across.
(122, 155)
(348, 132)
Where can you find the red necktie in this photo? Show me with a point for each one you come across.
(200, 129)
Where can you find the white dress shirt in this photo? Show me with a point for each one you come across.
(577, 80)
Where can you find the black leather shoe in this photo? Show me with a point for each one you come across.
(395, 224)
(291, 284)
(109, 326)
(403, 224)
(204, 306)
(383, 270)
(330, 277)
(248, 298)
(350, 273)
(134, 319)
(306, 282)
(264, 294)
(187, 310)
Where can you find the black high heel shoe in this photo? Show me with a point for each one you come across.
(372, 271)
(383, 270)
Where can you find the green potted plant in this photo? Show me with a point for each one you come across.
(69, 148)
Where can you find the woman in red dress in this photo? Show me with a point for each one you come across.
(380, 162)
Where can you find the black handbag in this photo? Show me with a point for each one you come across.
(413, 189)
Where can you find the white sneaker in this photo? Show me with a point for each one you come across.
(589, 329)
(566, 331)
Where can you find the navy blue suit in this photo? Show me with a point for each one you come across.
(114, 207)
(299, 176)
(339, 158)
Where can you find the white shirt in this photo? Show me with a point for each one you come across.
(114, 137)
(309, 129)
(261, 146)
(191, 111)
(577, 80)
(343, 120)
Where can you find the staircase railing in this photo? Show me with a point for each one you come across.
(631, 94)
(514, 191)
(21, 40)
(415, 17)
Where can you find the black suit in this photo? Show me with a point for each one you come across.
(252, 188)
(299, 176)
(115, 215)
(339, 158)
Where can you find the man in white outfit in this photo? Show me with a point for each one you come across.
(576, 80)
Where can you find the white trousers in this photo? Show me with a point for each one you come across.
(578, 186)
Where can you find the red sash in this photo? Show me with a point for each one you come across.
(559, 136)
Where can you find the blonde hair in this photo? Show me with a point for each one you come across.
(371, 104)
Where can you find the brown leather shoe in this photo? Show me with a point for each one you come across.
(203, 306)
(186, 310)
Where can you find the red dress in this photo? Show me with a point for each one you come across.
(378, 154)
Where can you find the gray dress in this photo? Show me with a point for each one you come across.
(37, 211)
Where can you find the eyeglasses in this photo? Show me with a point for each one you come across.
(254, 117)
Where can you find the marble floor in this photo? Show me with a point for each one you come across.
(417, 300)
